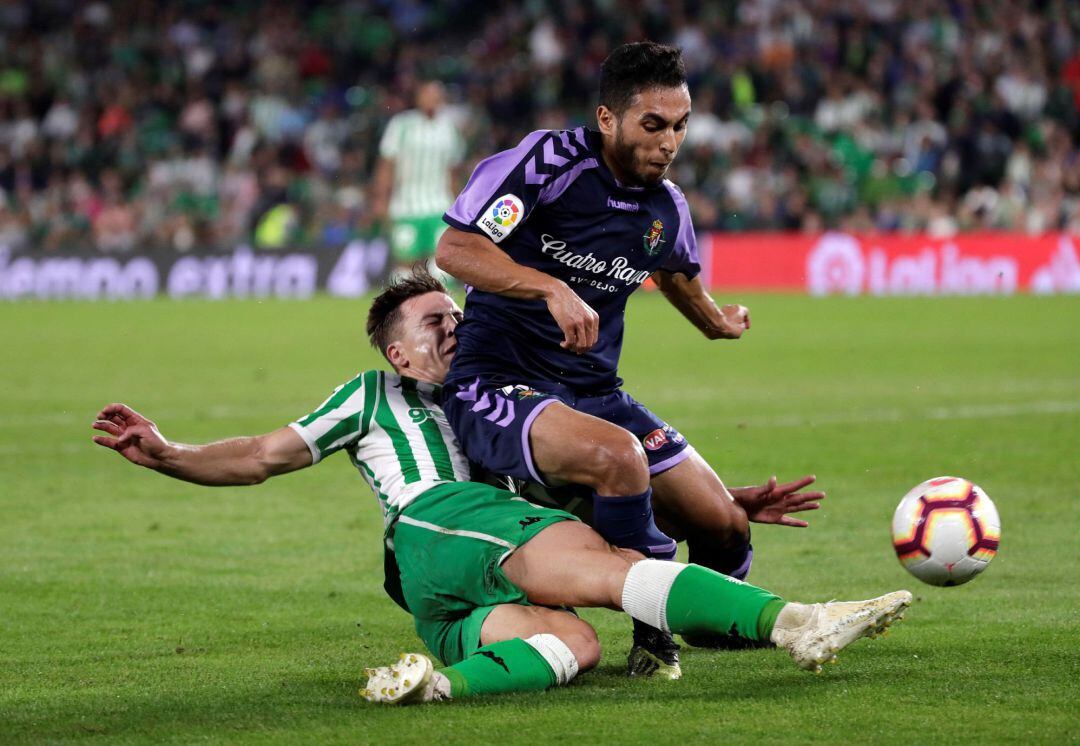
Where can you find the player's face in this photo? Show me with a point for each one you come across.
(430, 98)
(643, 142)
(425, 342)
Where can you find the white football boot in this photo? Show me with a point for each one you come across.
(814, 634)
(412, 680)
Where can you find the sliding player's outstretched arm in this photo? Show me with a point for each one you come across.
(689, 296)
(236, 461)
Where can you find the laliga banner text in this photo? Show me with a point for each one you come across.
(241, 273)
(841, 263)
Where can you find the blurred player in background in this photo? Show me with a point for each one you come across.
(553, 236)
(419, 153)
(482, 571)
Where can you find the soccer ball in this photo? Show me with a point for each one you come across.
(946, 531)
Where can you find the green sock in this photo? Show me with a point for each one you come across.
(507, 666)
(702, 600)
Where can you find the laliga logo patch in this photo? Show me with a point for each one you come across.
(655, 440)
(653, 240)
(506, 212)
(501, 217)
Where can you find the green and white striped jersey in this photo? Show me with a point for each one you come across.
(424, 150)
(395, 432)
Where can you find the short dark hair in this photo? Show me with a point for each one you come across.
(385, 310)
(637, 67)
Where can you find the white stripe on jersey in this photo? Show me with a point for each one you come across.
(376, 450)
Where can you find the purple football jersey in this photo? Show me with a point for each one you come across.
(552, 204)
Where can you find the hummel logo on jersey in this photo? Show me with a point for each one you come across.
(494, 658)
(529, 520)
(619, 204)
(501, 217)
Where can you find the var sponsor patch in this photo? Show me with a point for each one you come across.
(660, 437)
(501, 217)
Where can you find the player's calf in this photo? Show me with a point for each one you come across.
(688, 599)
(517, 665)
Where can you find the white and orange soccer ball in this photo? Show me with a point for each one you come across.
(946, 531)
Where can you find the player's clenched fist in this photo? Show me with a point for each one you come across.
(132, 436)
(579, 323)
(735, 320)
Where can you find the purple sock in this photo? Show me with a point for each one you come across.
(628, 522)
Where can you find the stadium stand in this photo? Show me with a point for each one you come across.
(179, 125)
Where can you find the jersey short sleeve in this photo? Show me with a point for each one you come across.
(341, 420)
(390, 144)
(504, 189)
(684, 257)
(457, 151)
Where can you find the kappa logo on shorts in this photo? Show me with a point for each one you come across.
(501, 217)
(655, 440)
(494, 659)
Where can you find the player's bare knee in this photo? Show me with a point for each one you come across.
(622, 466)
(728, 526)
(738, 524)
(583, 643)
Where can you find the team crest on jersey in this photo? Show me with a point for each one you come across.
(520, 392)
(501, 217)
(653, 240)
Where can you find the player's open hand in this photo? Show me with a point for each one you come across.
(734, 319)
(131, 435)
(772, 502)
(580, 324)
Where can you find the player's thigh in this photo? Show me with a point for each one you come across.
(576, 447)
(510, 621)
(569, 564)
(690, 499)
(450, 542)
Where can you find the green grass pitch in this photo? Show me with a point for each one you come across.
(134, 608)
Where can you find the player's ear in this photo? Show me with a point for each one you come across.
(606, 120)
(395, 353)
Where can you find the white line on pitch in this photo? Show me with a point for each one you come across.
(962, 412)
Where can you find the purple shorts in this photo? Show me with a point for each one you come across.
(492, 422)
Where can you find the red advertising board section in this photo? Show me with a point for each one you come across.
(841, 263)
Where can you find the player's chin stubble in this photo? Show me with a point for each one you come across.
(632, 169)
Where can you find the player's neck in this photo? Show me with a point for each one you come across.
(421, 376)
(623, 178)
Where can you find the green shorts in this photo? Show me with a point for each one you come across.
(449, 545)
(413, 239)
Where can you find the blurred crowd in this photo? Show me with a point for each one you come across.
(179, 125)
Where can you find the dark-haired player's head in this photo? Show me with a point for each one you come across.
(430, 97)
(643, 111)
(412, 324)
